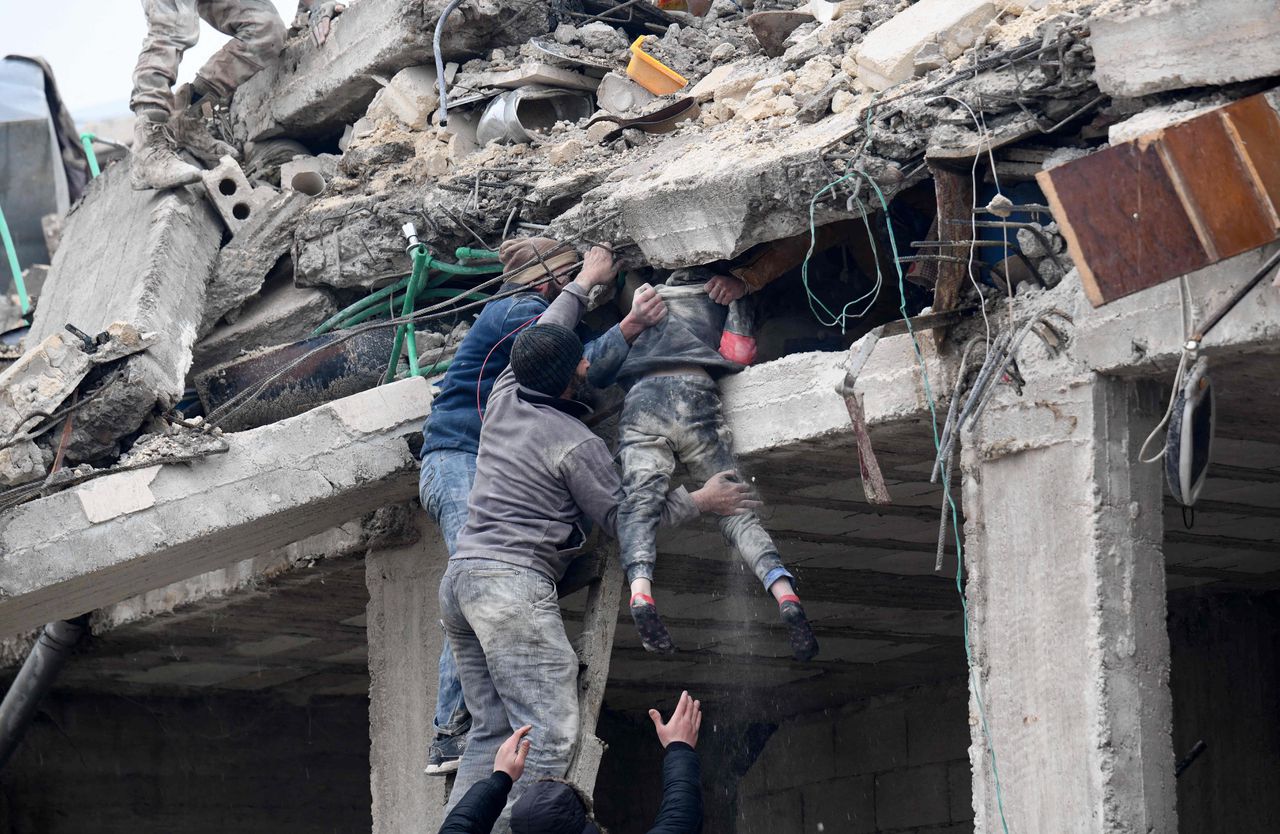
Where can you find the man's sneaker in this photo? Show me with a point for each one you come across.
(653, 634)
(446, 754)
(804, 646)
(155, 163)
(191, 130)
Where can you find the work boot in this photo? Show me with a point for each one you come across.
(155, 163)
(653, 634)
(804, 646)
(191, 130)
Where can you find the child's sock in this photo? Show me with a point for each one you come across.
(653, 634)
(804, 645)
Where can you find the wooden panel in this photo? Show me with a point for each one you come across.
(1257, 129)
(1124, 223)
(955, 202)
(1216, 187)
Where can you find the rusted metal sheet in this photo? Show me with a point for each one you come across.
(1173, 201)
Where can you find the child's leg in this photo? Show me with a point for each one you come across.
(647, 464)
(706, 448)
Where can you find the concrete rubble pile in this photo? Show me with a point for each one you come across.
(778, 118)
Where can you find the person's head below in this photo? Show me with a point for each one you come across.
(547, 358)
(553, 806)
(529, 261)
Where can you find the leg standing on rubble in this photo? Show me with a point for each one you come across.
(163, 123)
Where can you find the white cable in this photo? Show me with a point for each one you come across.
(1184, 300)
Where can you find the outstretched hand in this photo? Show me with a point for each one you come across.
(684, 724)
(512, 753)
(725, 494)
(598, 268)
(725, 289)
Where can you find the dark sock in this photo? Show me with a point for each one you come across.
(199, 89)
(653, 634)
(804, 645)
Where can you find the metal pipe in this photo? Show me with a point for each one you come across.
(435, 46)
(34, 680)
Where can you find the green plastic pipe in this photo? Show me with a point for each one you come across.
(469, 253)
(86, 139)
(368, 301)
(420, 260)
(12, 253)
(464, 269)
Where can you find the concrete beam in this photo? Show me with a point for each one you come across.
(1142, 333)
(1066, 595)
(313, 91)
(131, 532)
(405, 639)
(1173, 44)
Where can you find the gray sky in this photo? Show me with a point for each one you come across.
(92, 46)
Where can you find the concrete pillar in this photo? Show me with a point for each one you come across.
(404, 652)
(1066, 593)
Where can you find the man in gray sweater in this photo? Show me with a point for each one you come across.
(541, 475)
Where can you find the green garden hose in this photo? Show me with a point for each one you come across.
(12, 254)
(86, 139)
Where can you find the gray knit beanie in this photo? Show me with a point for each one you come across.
(544, 358)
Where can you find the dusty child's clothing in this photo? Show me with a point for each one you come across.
(173, 26)
(669, 418)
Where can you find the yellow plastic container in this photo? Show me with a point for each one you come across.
(652, 74)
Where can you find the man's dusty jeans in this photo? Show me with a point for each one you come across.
(517, 668)
(173, 26)
(444, 484)
(666, 418)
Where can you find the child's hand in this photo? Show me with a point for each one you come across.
(684, 724)
(512, 753)
(724, 494)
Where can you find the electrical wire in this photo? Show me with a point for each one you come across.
(1184, 357)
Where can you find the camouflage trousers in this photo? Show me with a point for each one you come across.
(173, 26)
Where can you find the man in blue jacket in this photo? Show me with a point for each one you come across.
(555, 807)
(451, 434)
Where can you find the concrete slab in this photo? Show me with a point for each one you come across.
(1173, 44)
(70, 553)
(140, 257)
(283, 313)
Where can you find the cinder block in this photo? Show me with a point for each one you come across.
(913, 797)
(777, 813)
(871, 740)
(842, 806)
(799, 753)
(960, 786)
(236, 200)
(937, 730)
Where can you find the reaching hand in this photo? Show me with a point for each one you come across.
(512, 753)
(725, 289)
(684, 724)
(647, 309)
(724, 494)
(598, 268)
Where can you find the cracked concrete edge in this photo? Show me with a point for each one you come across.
(278, 484)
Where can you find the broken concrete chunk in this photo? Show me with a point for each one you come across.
(40, 380)
(143, 257)
(928, 58)
(765, 108)
(599, 36)
(619, 94)
(308, 175)
(236, 200)
(282, 313)
(812, 77)
(887, 55)
(411, 96)
(1174, 44)
(21, 463)
(243, 263)
(313, 91)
